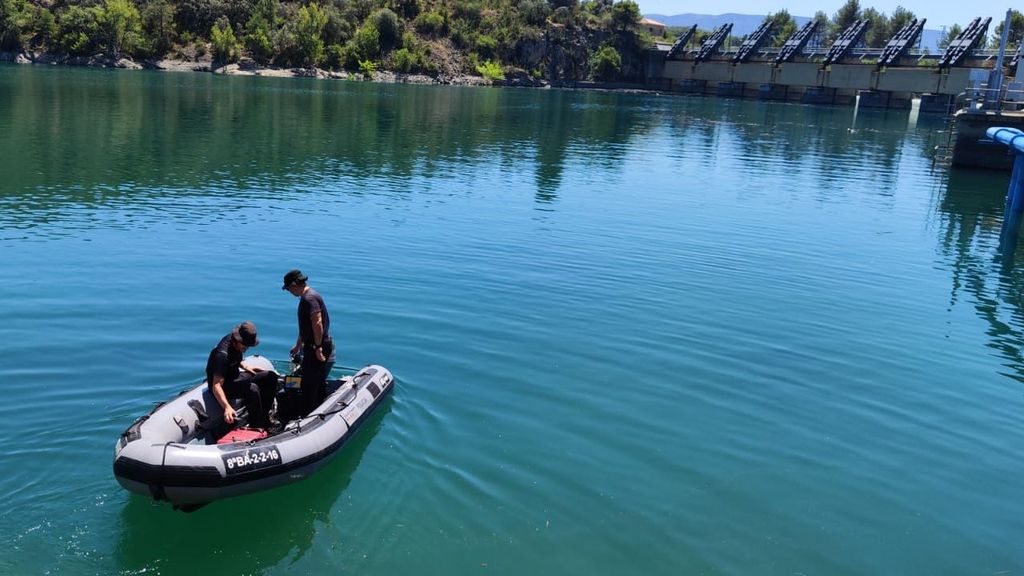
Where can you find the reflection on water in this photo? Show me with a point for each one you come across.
(245, 534)
(972, 209)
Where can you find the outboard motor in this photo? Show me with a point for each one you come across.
(289, 398)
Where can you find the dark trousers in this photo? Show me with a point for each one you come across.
(258, 392)
(314, 377)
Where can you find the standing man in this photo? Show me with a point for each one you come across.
(228, 377)
(314, 340)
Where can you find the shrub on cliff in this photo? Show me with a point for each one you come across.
(429, 24)
(491, 70)
(606, 64)
(403, 60)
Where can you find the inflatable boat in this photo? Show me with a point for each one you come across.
(184, 453)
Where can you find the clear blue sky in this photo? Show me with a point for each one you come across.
(938, 12)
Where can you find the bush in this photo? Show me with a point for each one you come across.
(198, 16)
(258, 39)
(77, 30)
(365, 45)
(467, 11)
(562, 15)
(486, 46)
(535, 12)
(225, 45)
(410, 41)
(403, 60)
(429, 23)
(367, 67)
(339, 29)
(491, 70)
(389, 32)
(407, 9)
(606, 63)
(336, 57)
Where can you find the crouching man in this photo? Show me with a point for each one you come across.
(229, 378)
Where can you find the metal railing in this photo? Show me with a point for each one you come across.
(1009, 97)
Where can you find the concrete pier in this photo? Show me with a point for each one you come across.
(973, 148)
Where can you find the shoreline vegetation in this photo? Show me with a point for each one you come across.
(538, 43)
(507, 42)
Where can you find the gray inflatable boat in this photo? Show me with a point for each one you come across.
(172, 453)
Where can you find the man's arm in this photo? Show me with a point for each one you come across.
(318, 334)
(217, 387)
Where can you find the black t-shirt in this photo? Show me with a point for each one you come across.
(310, 303)
(225, 360)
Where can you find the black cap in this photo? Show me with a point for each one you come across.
(245, 333)
(292, 278)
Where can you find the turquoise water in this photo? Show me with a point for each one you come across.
(633, 334)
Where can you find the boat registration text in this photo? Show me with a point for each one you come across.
(251, 459)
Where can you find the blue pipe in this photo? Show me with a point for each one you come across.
(1009, 136)
(1015, 193)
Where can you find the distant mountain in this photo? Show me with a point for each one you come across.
(743, 24)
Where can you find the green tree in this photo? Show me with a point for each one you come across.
(259, 39)
(848, 14)
(158, 26)
(783, 26)
(120, 27)
(429, 24)
(900, 18)
(365, 45)
(10, 24)
(1016, 31)
(821, 34)
(259, 31)
(878, 28)
(309, 31)
(198, 16)
(41, 26)
(388, 28)
(77, 30)
(225, 45)
(407, 9)
(625, 16)
(606, 63)
(949, 35)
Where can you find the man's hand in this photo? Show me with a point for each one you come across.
(229, 415)
(320, 354)
(251, 369)
(295, 349)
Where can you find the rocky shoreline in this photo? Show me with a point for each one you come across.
(247, 67)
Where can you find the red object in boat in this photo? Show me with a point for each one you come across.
(242, 435)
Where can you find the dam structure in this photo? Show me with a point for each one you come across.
(802, 69)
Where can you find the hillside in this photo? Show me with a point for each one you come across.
(525, 40)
